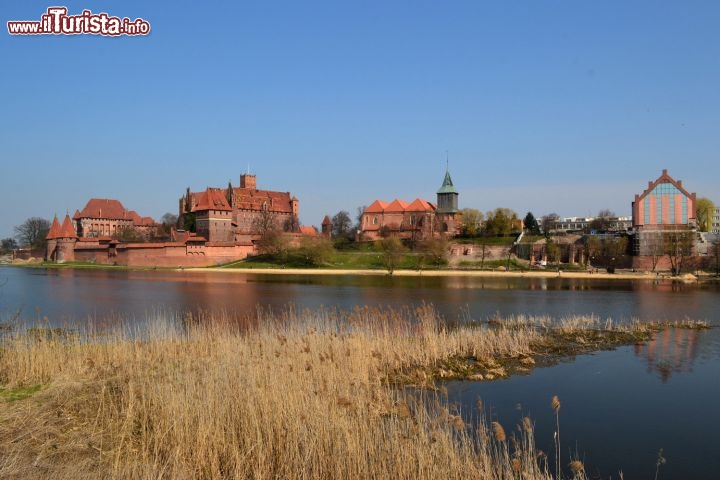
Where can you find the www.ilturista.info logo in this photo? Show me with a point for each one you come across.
(57, 22)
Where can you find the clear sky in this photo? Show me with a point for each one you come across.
(546, 106)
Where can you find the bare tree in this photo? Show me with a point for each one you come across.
(8, 245)
(715, 254)
(433, 250)
(678, 246)
(265, 222)
(292, 224)
(548, 222)
(392, 253)
(341, 225)
(32, 232)
(655, 248)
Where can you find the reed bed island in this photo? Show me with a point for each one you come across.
(292, 394)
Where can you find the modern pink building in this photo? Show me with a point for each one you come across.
(665, 204)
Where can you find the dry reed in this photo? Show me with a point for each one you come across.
(289, 394)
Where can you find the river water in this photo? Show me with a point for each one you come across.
(618, 407)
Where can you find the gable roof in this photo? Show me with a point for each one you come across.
(400, 206)
(210, 199)
(103, 208)
(378, 206)
(664, 178)
(420, 205)
(396, 206)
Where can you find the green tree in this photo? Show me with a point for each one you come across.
(189, 222)
(531, 224)
(392, 253)
(501, 221)
(315, 251)
(704, 210)
(472, 221)
(32, 232)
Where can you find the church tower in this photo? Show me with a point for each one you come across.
(447, 196)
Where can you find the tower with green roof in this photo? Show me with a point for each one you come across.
(447, 196)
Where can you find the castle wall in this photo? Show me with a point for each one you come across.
(162, 254)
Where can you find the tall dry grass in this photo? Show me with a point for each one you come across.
(291, 394)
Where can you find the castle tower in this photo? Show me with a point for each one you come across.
(447, 196)
(248, 181)
(66, 241)
(51, 238)
(61, 241)
(327, 227)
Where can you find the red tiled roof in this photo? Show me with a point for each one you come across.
(308, 230)
(396, 206)
(378, 206)
(54, 231)
(210, 199)
(108, 208)
(420, 205)
(67, 230)
(400, 206)
(103, 208)
(326, 220)
(251, 199)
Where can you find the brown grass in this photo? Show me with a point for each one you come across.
(273, 395)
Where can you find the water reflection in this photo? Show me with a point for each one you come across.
(671, 351)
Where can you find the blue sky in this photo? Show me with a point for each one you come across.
(544, 106)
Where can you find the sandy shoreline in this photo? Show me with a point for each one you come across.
(448, 273)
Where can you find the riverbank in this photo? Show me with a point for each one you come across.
(290, 394)
(454, 273)
(498, 273)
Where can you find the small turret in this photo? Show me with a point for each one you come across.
(61, 241)
(326, 227)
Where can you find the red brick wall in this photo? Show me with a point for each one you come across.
(164, 255)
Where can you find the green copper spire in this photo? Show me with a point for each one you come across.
(447, 185)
